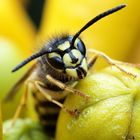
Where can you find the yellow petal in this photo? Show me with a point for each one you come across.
(15, 25)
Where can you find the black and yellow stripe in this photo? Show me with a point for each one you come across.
(47, 112)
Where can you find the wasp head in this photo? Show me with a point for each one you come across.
(67, 58)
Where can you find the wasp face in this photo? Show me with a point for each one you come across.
(68, 59)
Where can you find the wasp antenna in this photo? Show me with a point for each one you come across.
(95, 19)
(34, 56)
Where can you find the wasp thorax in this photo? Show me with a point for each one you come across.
(67, 58)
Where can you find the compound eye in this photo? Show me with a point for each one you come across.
(80, 46)
(56, 61)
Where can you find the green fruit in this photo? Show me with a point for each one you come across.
(24, 130)
(112, 112)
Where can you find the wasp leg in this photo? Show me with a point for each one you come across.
(110, 61)
(22, 104)
(91, 62)
(126, 63)
(65, 87)
(39, 85)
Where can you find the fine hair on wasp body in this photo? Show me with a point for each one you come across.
(60, 64)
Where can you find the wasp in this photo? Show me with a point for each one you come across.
(60, 64)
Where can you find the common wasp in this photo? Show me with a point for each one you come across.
(60, 64)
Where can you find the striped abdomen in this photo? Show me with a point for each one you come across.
(47, 112)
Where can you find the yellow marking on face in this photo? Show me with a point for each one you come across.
(72, 72)
(67, 60)
(53, 54)
(84, 64)
(64, 46)
(77, 54)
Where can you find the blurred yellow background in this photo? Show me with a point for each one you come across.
(117, 35)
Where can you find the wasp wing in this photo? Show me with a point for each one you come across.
(19, 83)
